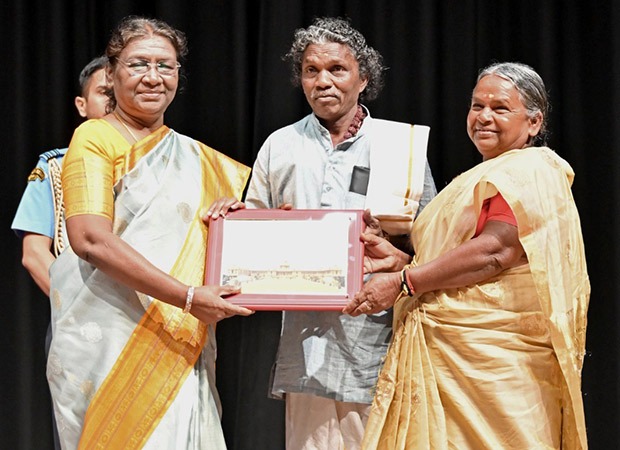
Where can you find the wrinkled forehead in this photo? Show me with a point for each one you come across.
(328, 50)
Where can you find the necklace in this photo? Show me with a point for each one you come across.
(118, 117)
(356, 123)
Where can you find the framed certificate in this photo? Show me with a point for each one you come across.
(302, 259)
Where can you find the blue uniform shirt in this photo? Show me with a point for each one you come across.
(35, 213)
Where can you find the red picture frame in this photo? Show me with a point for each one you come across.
(303, 259)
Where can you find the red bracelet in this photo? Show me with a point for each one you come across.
(406, 284)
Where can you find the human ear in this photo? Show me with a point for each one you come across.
(80, 104)
(535, 123)
(363, 85)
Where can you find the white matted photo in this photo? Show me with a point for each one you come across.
(299, 259)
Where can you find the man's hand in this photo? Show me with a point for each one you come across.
(373, 226)
(381, 256)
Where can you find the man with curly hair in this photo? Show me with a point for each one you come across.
(338, 157)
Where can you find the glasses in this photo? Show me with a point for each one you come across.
(141, 67)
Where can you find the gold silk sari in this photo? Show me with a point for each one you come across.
(495, 365)
(126, 370)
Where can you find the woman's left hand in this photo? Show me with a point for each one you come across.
(378, 294)
(221, 207)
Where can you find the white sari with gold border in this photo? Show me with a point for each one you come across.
(125, 370)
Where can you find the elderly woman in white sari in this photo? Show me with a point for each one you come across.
(490, 317)
(131, 363)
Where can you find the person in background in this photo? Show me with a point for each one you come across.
(39, 219)
(132, 359)
(490, 317)
(338, 157)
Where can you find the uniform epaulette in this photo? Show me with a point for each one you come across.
(36, 174)
(50, 154)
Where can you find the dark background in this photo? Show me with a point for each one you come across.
(238, 91)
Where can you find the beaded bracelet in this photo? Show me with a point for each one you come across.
(189, 299)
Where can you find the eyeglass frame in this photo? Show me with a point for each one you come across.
(149, 66)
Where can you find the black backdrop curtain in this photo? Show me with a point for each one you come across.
(238, 91)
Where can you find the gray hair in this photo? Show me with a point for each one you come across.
(136, 27)
(329, 29)
(531, 89)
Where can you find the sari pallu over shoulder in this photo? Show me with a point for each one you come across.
(140, 350)
(549, 221)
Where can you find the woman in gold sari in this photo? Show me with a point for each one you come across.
(131, 362)
(490, 316)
